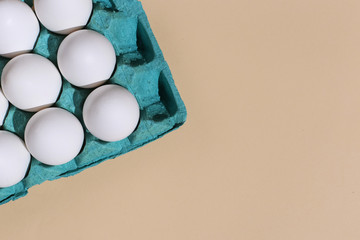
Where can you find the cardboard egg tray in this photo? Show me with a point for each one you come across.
(141, 69)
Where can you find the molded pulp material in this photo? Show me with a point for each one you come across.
(140, 68)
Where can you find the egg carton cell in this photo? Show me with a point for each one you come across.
(140, 68)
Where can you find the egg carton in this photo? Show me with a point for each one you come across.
(140, 68)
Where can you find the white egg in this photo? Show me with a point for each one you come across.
(54, 136)
(63, 16)
(111, 113)
(86, 59)
(14, 159)
(31, 82)
(19, 28)
(4, 105)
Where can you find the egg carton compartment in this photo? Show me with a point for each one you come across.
(140, 68)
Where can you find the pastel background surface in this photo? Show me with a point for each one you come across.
(271, 149)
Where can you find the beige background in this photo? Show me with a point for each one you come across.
(271, 149)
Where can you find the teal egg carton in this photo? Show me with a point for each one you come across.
(140, 68)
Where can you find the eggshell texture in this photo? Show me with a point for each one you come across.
(54, 136)
(111, 113)
(86, 58)
(14, 159)
(63, 16)
(19, 28)
(4, 105)
(31, 82)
